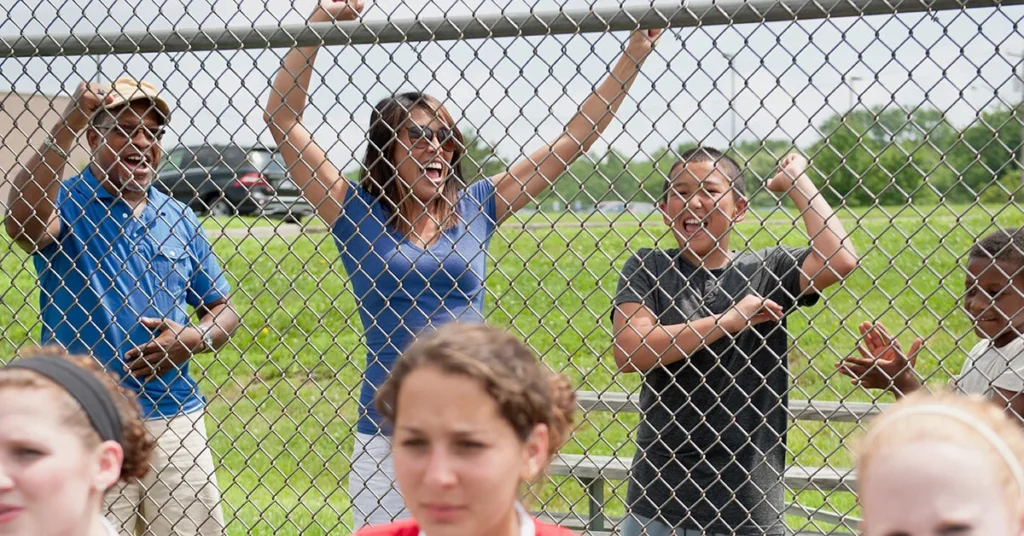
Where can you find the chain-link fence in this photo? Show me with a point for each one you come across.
(907, 113)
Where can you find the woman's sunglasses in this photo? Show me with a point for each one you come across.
(422, 137)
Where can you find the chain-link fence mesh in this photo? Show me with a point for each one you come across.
(909, 121)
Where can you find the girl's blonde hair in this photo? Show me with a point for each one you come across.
(969, 421)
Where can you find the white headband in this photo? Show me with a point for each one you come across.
(966, 419)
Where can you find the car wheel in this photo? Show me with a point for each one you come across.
(221, 208)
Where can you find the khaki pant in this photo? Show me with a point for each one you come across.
(179, 495)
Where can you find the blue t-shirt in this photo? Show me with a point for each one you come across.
(402, 289)
(109, 268)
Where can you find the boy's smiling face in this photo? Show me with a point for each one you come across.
(994, 299)
(701, 208)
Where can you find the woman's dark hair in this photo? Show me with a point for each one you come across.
(379, 175)
(137, 442)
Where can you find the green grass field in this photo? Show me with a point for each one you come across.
(282, 396)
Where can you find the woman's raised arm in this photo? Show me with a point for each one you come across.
(529, 177)
(321, 182)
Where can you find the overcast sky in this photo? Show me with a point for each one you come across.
(789, 76)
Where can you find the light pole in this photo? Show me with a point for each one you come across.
(1019, 153)
(732, 95)
(850, 81)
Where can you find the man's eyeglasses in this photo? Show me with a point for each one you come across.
(129, 132)
(422, 137)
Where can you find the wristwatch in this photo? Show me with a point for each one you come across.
(51, 144)
(207, 335)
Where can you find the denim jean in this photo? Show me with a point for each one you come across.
(634, 525)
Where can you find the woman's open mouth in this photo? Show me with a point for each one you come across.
(434, 171)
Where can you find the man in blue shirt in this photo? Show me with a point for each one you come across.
(119, 264)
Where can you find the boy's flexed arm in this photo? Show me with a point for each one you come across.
(832, 256)
(641, 342)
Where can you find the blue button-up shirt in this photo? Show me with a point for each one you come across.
(109, 268)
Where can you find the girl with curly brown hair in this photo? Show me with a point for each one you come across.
(477, 417)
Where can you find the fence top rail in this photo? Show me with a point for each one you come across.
(567, 21)
(803, 410)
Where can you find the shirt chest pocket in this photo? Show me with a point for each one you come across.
(171, 266)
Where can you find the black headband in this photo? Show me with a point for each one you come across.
(84, 387)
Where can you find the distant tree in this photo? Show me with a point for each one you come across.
(886, 156)
(480, 159)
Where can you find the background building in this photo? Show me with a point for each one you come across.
(24, 122)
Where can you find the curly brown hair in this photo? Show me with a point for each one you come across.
(527, 392)
(137, 442)
(1006, 245)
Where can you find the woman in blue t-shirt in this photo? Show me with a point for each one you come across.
(412, 235)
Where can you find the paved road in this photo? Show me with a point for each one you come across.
(283, 230)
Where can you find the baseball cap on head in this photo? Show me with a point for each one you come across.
(126, 90)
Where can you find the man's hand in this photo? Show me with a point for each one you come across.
(173, 346)
(87, 99)
(882, 364)
(751, 310)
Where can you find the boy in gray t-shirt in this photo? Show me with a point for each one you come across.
(706, 327)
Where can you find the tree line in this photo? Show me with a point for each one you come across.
(885, 155)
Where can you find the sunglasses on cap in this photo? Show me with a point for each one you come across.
(421, 137)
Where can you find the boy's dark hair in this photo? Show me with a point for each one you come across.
(722, 162)
(1004, 245)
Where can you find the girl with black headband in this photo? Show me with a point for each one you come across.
(68, 433)
(942, 465)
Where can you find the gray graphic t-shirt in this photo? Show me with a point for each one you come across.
(711, 441)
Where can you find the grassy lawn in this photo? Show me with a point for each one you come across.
(755, 214)
(214, 223)
(281, 396)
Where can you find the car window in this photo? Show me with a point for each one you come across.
(233, 157)
(208, 157)
(267, 162)
(177, 160)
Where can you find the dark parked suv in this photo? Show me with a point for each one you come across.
(223, 180)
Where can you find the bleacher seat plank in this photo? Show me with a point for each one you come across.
(799, 409)
(594, 471)
(616, 468)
